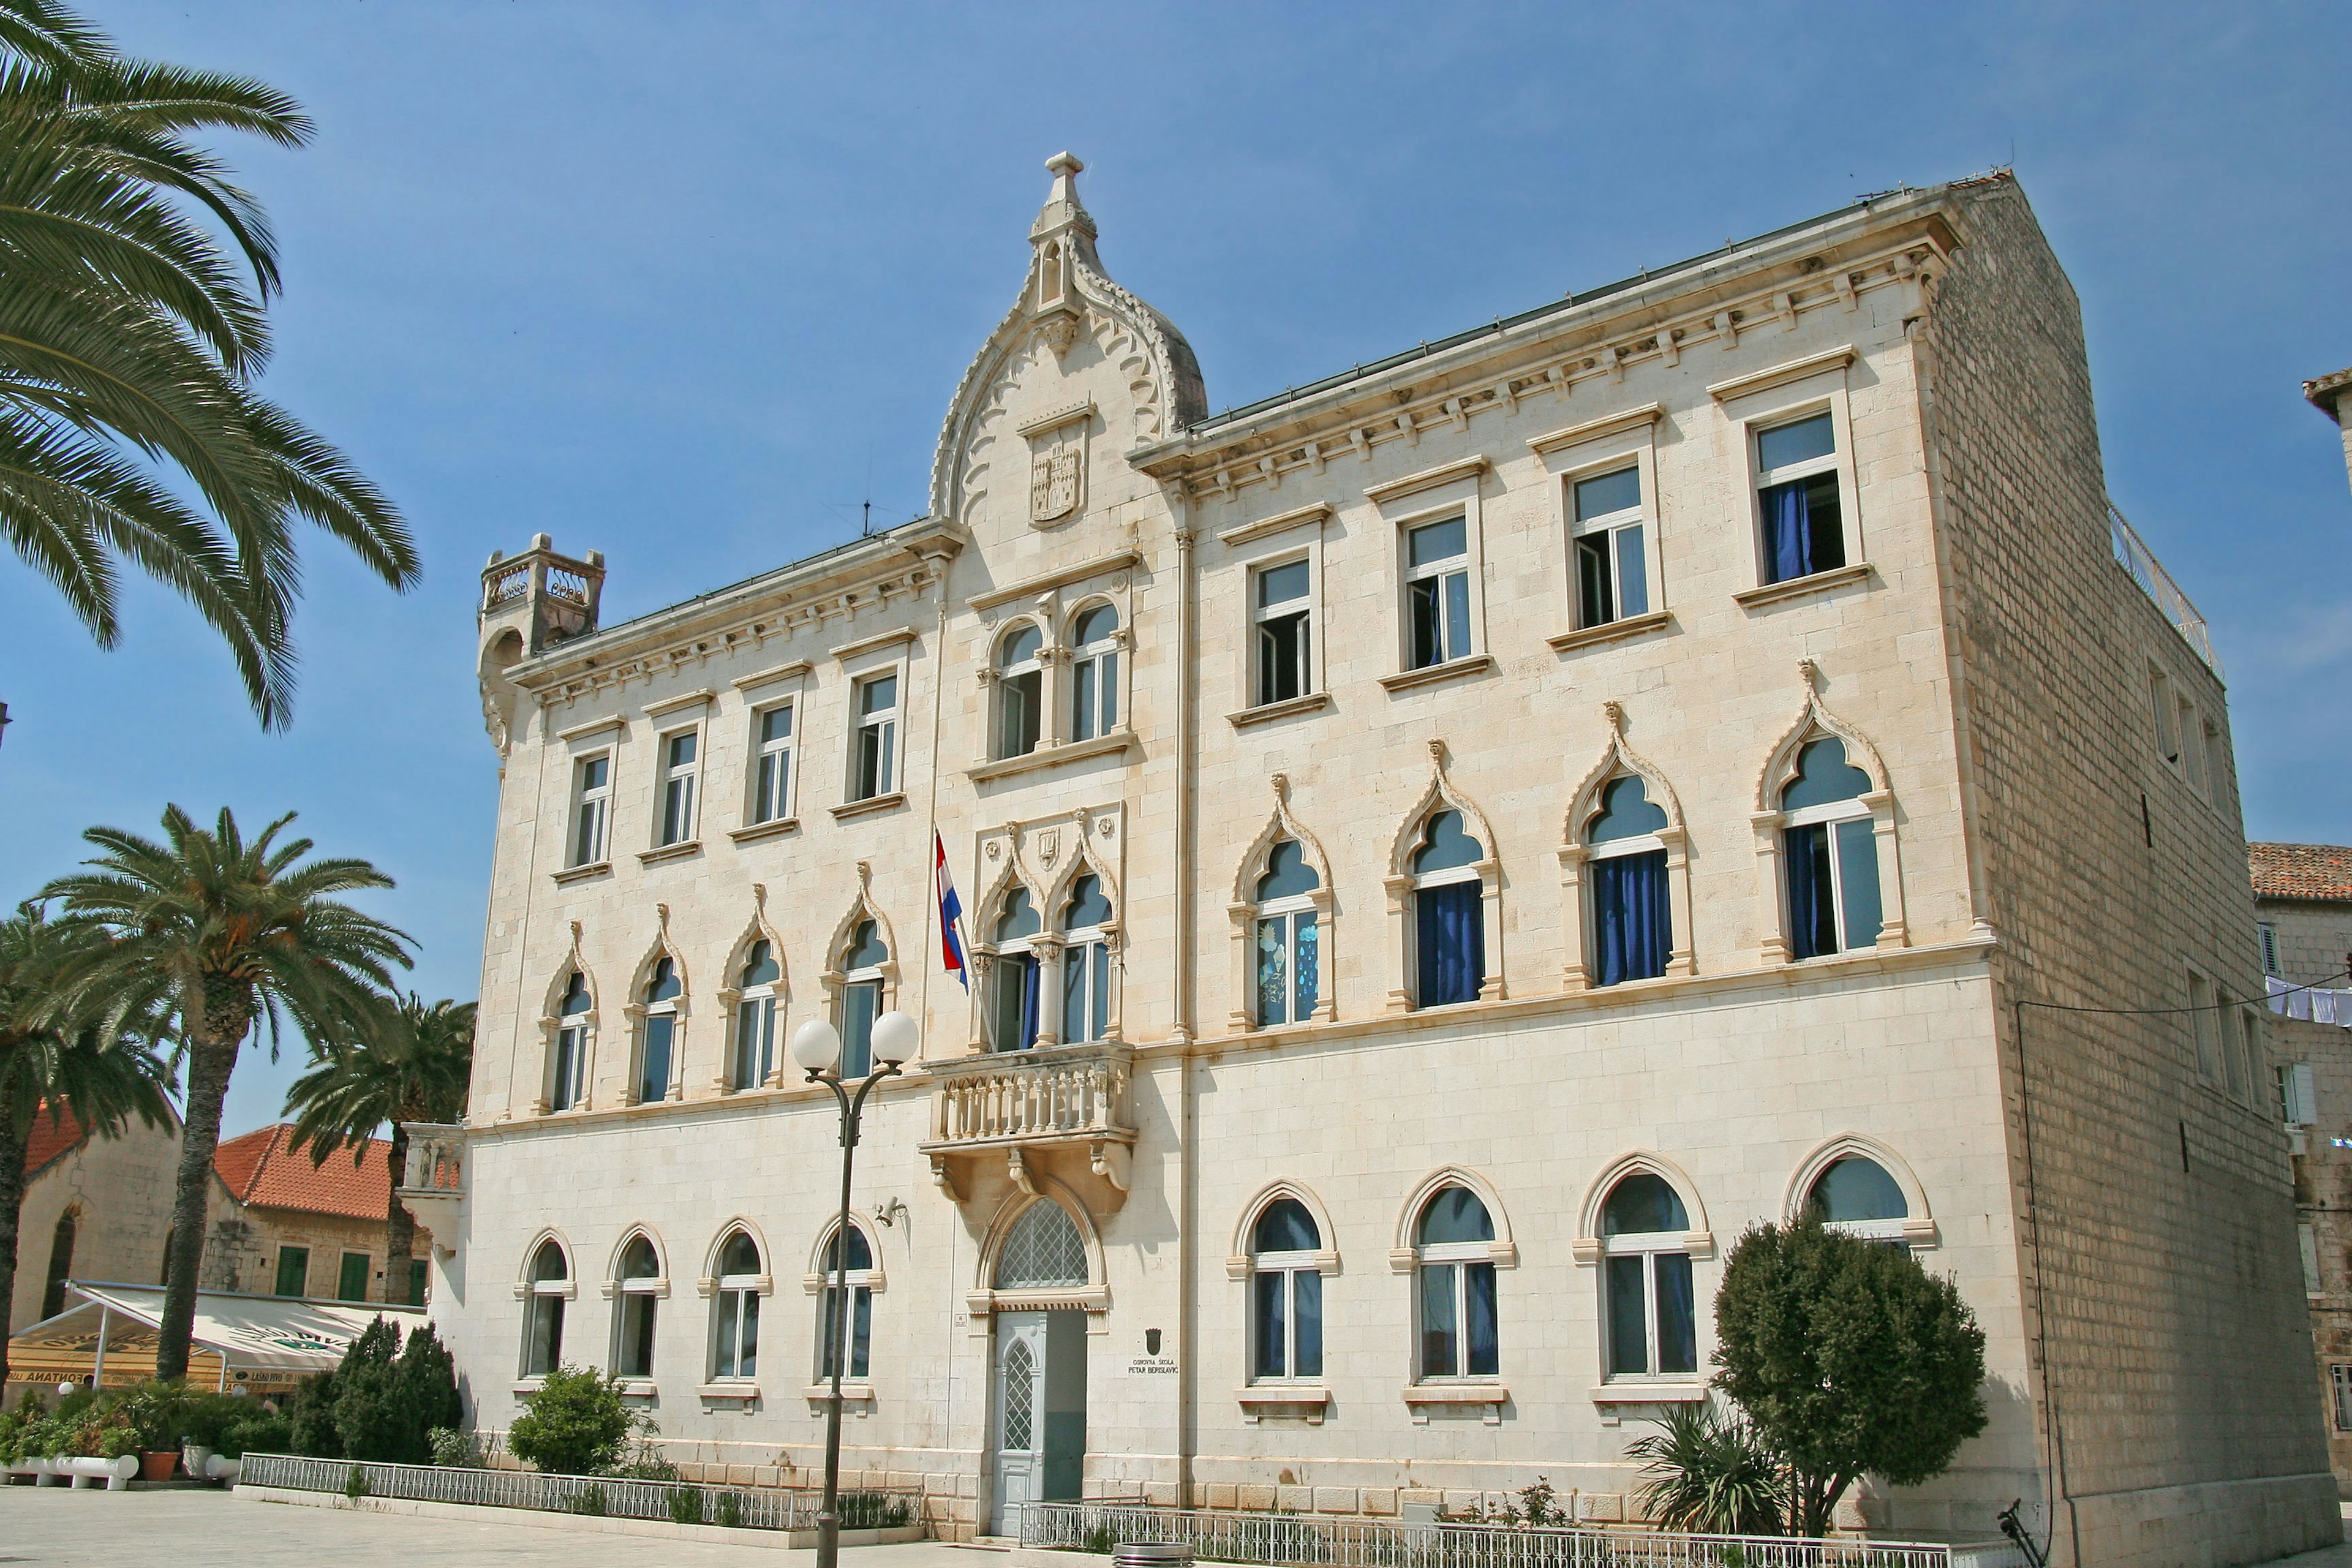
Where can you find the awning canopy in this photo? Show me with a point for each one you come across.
(262, 1340)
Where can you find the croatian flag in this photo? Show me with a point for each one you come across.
(950, 913)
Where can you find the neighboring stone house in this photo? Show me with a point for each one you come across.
(284, 1227)
(1444, 851)
(2302, 906)
(2326, 394)
(95, 1208)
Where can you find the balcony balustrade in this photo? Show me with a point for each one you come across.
(433, 1188)
(1015, 1105)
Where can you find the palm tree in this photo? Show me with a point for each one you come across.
(413, 1066)
(96, 1070)
(217, 934)
(130, 339)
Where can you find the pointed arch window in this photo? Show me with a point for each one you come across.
(1854, 1193)
(1289, 938)
(1632, 919)
(862, 981)
(1020, 692)
(1453, 1273)
(1043, 1251)
(658, 1039)
(1286, 1293)
(1831, 851)
(1086, 961)
(1014, 974)
(1449, 948)
(637, 1292)
(1650, 1315)
(735, 1326)
(755, 1017)
(567, 1078)
(1094, 675)
(861, 1305)
(550, 1285)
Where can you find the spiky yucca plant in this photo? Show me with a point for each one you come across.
(1712, 1474)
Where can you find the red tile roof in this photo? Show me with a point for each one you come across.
(51, 1139)
(2321, 872)
(259, 1168)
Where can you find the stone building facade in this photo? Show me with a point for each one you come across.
(1445, 851)
(95, 1208)
(282, 1226)
(2302, 906)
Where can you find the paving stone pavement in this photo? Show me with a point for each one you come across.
(58, 1527)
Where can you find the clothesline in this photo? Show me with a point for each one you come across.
(2312, 1003)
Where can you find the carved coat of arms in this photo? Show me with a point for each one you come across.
(1053, 484)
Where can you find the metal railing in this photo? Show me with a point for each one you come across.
(2137, 558)
(505, 584)
(1016, 1095)
(749, 1507)
(1217, 1536)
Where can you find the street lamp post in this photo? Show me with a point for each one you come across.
(816, 1048)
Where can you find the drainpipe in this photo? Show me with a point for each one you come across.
(1180, 1020)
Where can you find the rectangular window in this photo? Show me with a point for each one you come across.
(2193, 754)
(1797, 488)
(2237, 1051)
(2206, 1025)
(2309, 1242)
(1290, 965)
(2298, 1106)
(1284, 633)
(1652, 1314)
(1633, 917)
(874, 763)
(861, 1330)
(1449, 943)
(653, 1062)
(352, 1281)
(2269, 934)
(1613, 581)
(636, 1352)
(771, 774)
(1086, 991)
(1016, 1002)
(419, 1278)
(293, 1270)
(571, 1058)
(860, 1004)
(2339, 1377)
(755, 1041)
(1437, 592)
(544, 1343)
(592, 794)
(2168, 730)
(678, 769)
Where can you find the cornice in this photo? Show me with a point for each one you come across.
(1060, 577)
(1640, 418)
(1769, 286)
(1427, 479)
(1316, 512)
(1771, 376)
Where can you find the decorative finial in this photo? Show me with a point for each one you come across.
(1437, 750)
(760, 895)
(576, 934)
(1615, 713)
(1806, 672)
(1062, 211)
(1281, 789)
(663, 911)
(864, 875)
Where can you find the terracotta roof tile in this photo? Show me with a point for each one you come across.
(260, 1168)
(51, 1139)
(2314, 871)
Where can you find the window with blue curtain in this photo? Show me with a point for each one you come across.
(1014, 974)
(1804, 529)
(1632, 916)
(1830, 854)
(1449, 914)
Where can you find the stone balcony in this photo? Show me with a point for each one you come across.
(434, 1187)
(1066, 1106)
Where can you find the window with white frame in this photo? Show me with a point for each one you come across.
(1633, 917)
(860, 1326)
(1281, 613)
(679, 767)
(1286, 1293)
(1829, 849)
(543, 1333)
(1612, 576)
(862, 979)
(1454, 1275)
(2298, 1098)
(1289, 940)
(1020, 691)
(874, 760)
(772, 765)
(592, 805)
(1650, 1315)
(1797, 498)
(2192, 746)
(2205, 1027)
(1085, 962)
(657, 1037)
(1449, 918)
(2237, 1046)
(1853, 1194)
(755, 1017)
(1437, 592)
(1013, 975)
(567, 1084)
(735, 1319)
(1094, 675)
(635, 1299)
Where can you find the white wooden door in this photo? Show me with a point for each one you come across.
(1020, 1418)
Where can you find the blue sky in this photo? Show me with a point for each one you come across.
(686, 283)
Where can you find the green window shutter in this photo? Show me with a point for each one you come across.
(352, 1284)
(293, 1269)
(416, 1278)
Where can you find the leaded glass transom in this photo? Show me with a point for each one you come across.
(1044, 1250)
(1020, 1389)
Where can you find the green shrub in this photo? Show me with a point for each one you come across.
(455, 1449)
(310, 1417)
(1099, 1539)
(427, 1378)
(872, 1511)
(684, 1505)
(591, 1501)
(369, 1422)
(572, 1425)
(730, 1510)
(255, 1431)
(355, 1485)
(15, 1426)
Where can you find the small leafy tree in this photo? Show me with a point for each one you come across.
(1710, 1473)
(1848, 1359)
(572, 1425)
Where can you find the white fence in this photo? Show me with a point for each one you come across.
(1282, 1539)
(751, 1507)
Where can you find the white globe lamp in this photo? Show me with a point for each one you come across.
(815, 1046)
(897, 1036)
